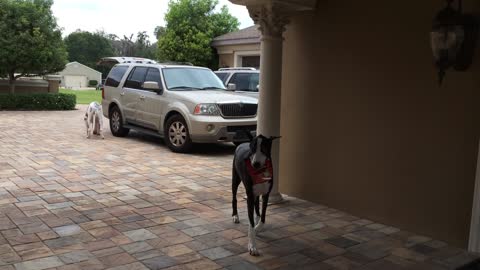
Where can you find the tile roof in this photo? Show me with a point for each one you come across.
(248, 35)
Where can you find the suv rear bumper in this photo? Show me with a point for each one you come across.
(224, 130)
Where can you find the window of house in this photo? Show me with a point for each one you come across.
(251, 61)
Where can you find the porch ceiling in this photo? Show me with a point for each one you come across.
(297, 5)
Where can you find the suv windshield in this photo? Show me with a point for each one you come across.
(191, 79)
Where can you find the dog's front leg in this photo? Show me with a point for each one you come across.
(252, 246)
(257, 210)
(87, 126)
(261, 224)
(100, 129)
(95, 123)
(235, 183)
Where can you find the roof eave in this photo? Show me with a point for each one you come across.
(78, 63)
(245, 41)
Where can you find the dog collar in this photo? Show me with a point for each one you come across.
(261, 175)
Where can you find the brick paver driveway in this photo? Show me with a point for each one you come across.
(129, 203)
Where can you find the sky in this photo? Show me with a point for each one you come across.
(123, 17)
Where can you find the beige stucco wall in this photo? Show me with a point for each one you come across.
(226, 60)
(366, 128)
(227, 53)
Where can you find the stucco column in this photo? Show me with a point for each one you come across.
(272, 24)
(53, 83)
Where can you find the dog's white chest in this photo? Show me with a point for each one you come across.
(261, 188)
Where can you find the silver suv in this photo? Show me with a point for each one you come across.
(182, 104)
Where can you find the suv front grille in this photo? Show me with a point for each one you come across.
(238, 110)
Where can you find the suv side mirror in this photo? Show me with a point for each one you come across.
(231, 87)
(151, 86)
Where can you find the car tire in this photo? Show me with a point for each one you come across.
(116, 123)
(177, 135)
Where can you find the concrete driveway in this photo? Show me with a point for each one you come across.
(129, 203)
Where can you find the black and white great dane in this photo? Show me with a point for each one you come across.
(252, 165)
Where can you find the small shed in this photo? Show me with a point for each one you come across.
(76, 75)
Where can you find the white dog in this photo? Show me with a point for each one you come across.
(94, 120)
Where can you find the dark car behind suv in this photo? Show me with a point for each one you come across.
(244, 80)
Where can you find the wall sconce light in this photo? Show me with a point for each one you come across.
(453, 39)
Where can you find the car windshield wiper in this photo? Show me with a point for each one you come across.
(212, 88)
(184, 87)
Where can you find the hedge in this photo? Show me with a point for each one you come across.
(93, 83)
(38, 102)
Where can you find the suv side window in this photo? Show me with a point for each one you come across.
(153, 75)
(136, 78)
(115, 76)
(246, 81)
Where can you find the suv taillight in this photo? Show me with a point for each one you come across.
(103, 92)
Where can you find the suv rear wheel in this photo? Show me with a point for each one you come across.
(177, 136)
(116, 123)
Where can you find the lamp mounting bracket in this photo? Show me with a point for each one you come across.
(460, 4)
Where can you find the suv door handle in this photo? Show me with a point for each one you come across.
(142, 97)
(122, 94)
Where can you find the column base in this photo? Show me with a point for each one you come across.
(276, 198)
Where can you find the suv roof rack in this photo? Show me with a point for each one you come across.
(121, 60)
(237, 68)
(176, 63)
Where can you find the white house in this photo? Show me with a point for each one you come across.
(76, 75)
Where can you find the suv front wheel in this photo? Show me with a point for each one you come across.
(176, 134)
(116, 123)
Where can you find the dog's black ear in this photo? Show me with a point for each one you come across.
(273, 138)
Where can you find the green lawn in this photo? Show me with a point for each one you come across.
(85, 96)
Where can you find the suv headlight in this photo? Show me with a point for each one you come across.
(206, 109)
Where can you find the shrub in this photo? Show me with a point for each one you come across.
(37, 102)
(93, 83)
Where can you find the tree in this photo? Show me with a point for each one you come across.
(87, 48)
(127, 46)
(159, 32)
(191, 27)
(30, 41)
(143, 47)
